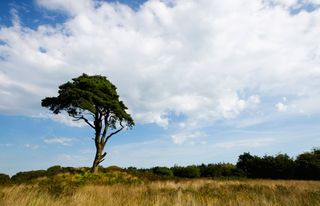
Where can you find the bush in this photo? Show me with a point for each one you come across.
(70, 170)
(54, 170)
(59, 187)
(4, 179)
(220, 170)
(187, 172)
(111, 169)
(27, 177)
(162, 171)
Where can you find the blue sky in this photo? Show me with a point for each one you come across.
(203, 80)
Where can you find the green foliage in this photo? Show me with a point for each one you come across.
(107, 178)
(308, 165)
(281, 166)
(220, 170)
(4, 179)
(162, 171)
(54, 170)
(186, 172)
(112, 168)
(93, 94)
(28, 177)
(70, 170)
(34, 176)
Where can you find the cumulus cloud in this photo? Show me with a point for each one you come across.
(203, 59)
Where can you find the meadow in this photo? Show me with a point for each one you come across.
(120, 188)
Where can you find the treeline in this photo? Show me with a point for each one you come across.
(305, 166)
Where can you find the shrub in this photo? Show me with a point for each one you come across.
(59, 187)
(54, 170)
(27, 177)
(187, 172)
(162, 171)
(111, 169)
(4, 179)
(70, 170)
(220, 170)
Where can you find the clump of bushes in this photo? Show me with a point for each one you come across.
(162, 171)
(4, 179)
(59, 186)
(54, 170)
(186, 172)
(220, 170)
(27, 177)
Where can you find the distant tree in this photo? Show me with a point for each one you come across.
(284, 167)
(162, 171)
(246, 163)
(187, 172)
(308, 165)
(94, 100)
(219, 170)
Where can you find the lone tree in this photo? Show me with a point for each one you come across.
(94, 100)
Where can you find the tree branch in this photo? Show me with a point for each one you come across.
(85, 119)
(102, 157)
(113, 133)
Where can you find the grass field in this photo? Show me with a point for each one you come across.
(182, 192)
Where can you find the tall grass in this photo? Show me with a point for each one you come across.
(183, 193)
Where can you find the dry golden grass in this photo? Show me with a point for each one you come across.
(171, 193)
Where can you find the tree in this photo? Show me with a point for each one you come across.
(94, 100)
(308, 165)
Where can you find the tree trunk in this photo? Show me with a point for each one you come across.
(97, 159)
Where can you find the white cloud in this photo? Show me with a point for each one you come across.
(58, 140)
(281, 107)
(204, 59)
(70, 6)
(183, 137)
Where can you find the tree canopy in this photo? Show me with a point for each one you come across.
(94, 95)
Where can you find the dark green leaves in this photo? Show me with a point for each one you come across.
(94, 95)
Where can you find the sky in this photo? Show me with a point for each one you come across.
(204, 80)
